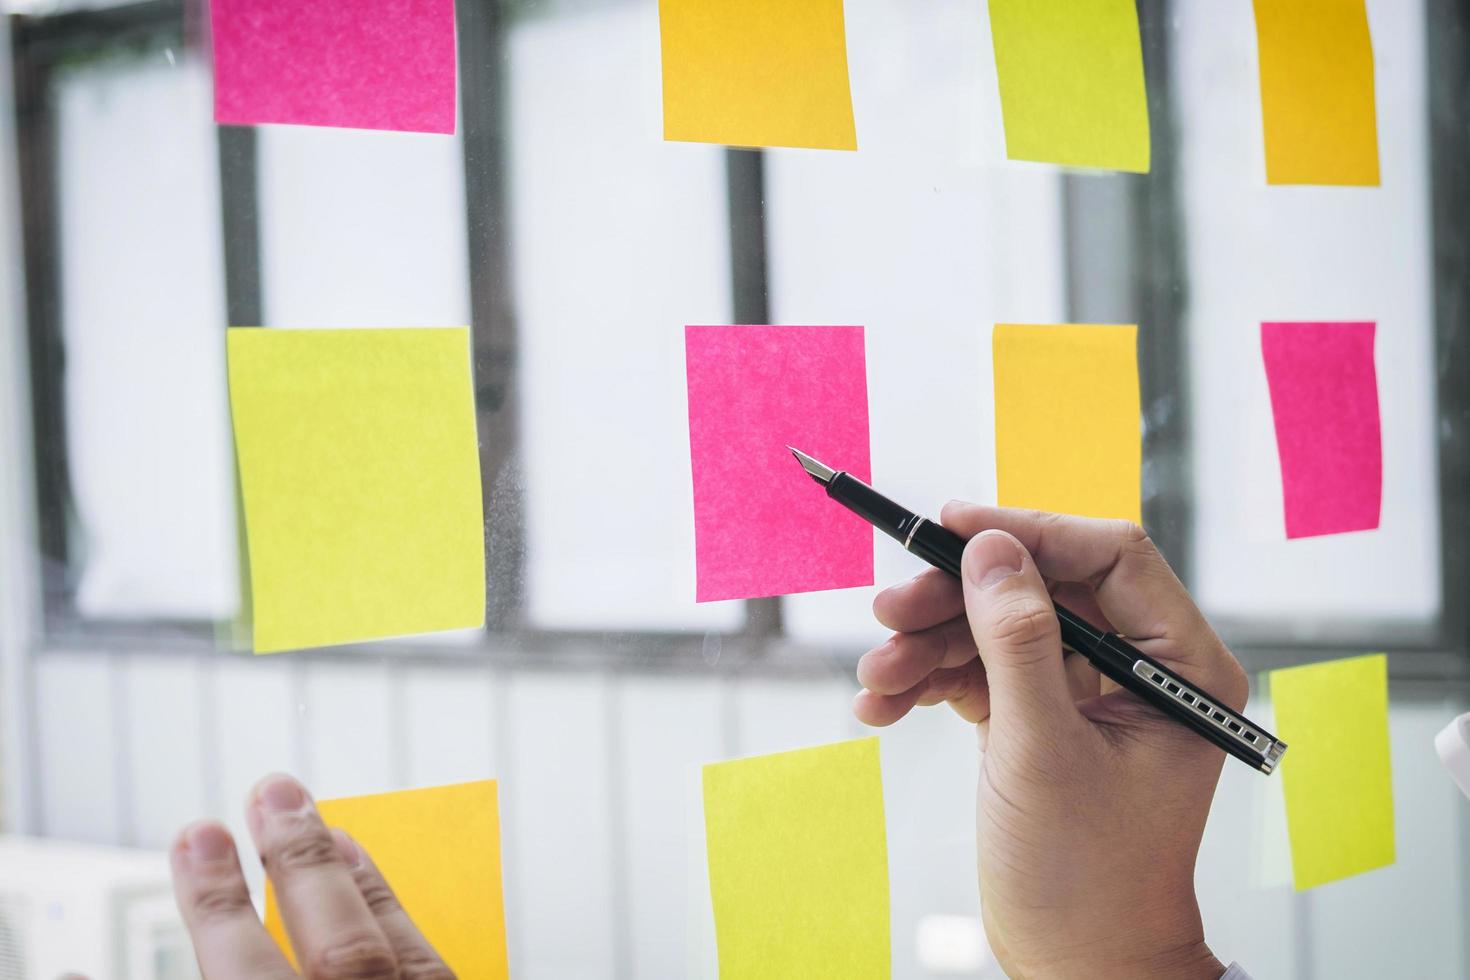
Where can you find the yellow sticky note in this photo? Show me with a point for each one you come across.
(756, 73)
(439, 849)
(1071, 82)
(798, 864)
(360, 472)
(1067, 431)
(1333, 718)
(1317, 98)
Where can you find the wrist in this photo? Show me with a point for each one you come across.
(1158, 940)
(1192, 961)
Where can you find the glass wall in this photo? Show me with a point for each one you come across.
(577, 244)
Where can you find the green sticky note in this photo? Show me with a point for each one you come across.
(798, 864)
(1071, 82)
(359, 469)
(1339, 793)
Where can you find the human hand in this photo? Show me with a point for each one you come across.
(340, 913)
(1091, 803)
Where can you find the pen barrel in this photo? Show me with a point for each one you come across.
(1112, 655)
(1187, 703)
(934, 543)
(869, 504)
(1125, 664)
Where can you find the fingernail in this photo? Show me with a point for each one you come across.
(992, 557)
(208, 842)
(347, 847)
(282, 794)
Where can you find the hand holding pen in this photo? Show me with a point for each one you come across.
(1092, 803)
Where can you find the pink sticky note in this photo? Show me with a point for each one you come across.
(368, 64)
(762, 527)
(1324, 396)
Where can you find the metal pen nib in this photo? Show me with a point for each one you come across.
(820, 472)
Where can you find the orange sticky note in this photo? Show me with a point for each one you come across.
(1067, 432)
(439, 848)
(756, 73)
(1317, 92)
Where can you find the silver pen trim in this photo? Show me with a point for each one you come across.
(1230, 723)
(912, 531)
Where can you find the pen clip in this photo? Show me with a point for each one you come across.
(1229, 723)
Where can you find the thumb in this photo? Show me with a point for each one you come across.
(1016, 632)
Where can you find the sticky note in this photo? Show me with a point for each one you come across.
(1071, 82)
(798, 864)
(756, 73)
(367, 64)
(762, 527)
(1317, 98)
(1333, 718)
(439, 850)
(1324, 401)
(1067, 429)
(360, 473)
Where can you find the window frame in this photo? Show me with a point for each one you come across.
(1123, 240)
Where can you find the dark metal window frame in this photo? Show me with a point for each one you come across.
(1124, 260)
(42, 45)
(1125, 250)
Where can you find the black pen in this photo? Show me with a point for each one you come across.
(1112, 655)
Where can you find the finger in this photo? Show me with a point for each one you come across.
(1078, 597)
(416, 958)
(1135, 588)
(331, 929)
(927, 599)
(964, 688)
(1016, 631)
(882, 710)
(906, 658)
(229, 940)
(1083, 680)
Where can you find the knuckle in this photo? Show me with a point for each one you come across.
(1133, 540)
(940, 645)
(1045, 519)
(914, 646)
(359, 956)
(1022, 625)
(303, 851)
(422, 965)
(378, 896)
(222, 902)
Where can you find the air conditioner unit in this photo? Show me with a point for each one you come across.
(105, 913)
